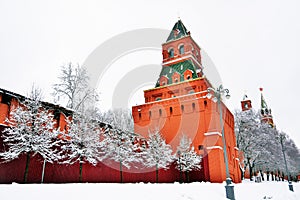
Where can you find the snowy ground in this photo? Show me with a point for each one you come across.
(246, 190)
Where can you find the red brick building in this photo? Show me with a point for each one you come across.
(178, 105)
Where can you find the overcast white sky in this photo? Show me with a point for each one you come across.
(252, 43)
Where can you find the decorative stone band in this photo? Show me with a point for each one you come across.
(213, 134)
(214, 147)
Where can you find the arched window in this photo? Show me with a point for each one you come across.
(176, 80)
(205, 103)
(171, 110)
(188, 77)
(194, 106)
(149, 114)
(182, 108)
(181, 49)
(160, 112)
(171, 53)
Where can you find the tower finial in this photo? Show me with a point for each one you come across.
(178, 15)
(245, 95)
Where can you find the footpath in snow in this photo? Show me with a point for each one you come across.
(193, 191)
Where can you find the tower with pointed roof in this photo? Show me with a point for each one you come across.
(177, 105)
(246, 103)
(265, 111)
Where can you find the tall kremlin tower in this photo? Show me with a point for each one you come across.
(265, 111)
(178, 105)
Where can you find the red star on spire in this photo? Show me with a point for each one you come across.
(261, 89)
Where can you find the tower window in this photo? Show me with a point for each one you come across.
(181, 49)
(188, 77)
(176, 80)
(6, 99)
(149, 114)
(160, 112)
(171, 53)
(205, 103)
(182, 108)
(194, 106)
(171, 110)
(140, 115)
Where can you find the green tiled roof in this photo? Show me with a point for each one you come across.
(178, 31)
(180, 68)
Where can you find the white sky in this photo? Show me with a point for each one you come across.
(252, 43)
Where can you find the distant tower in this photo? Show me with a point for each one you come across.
(246, 103)
(266, 113)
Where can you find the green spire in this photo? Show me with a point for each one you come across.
(263, 101)
(178, 31)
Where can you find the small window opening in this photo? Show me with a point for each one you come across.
(6, 99)
(182, 108)
(188, 77)
(160, 112)
(149, 114)
(181, 49)
(171, 110)
(205, 103)
(171, 53)
(194, 106)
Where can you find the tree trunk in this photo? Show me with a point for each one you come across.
(80, 171)
(251, 172)
(180, 175)
(156, 173)
(242, 173)
(187, 177)
(272, 175)
(121, 173)
(27, 167)
(268, 175)
(43, 171)
(262, 175)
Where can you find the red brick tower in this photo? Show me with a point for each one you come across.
(246, 103)
(178, 105)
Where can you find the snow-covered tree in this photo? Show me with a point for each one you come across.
(291, 152)
(118, 145)
(74, 88)
(252, 138)
(119, 118)
(260, 144)
(157, 153)
(187, 159)
(81, 143)
(31, 132)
